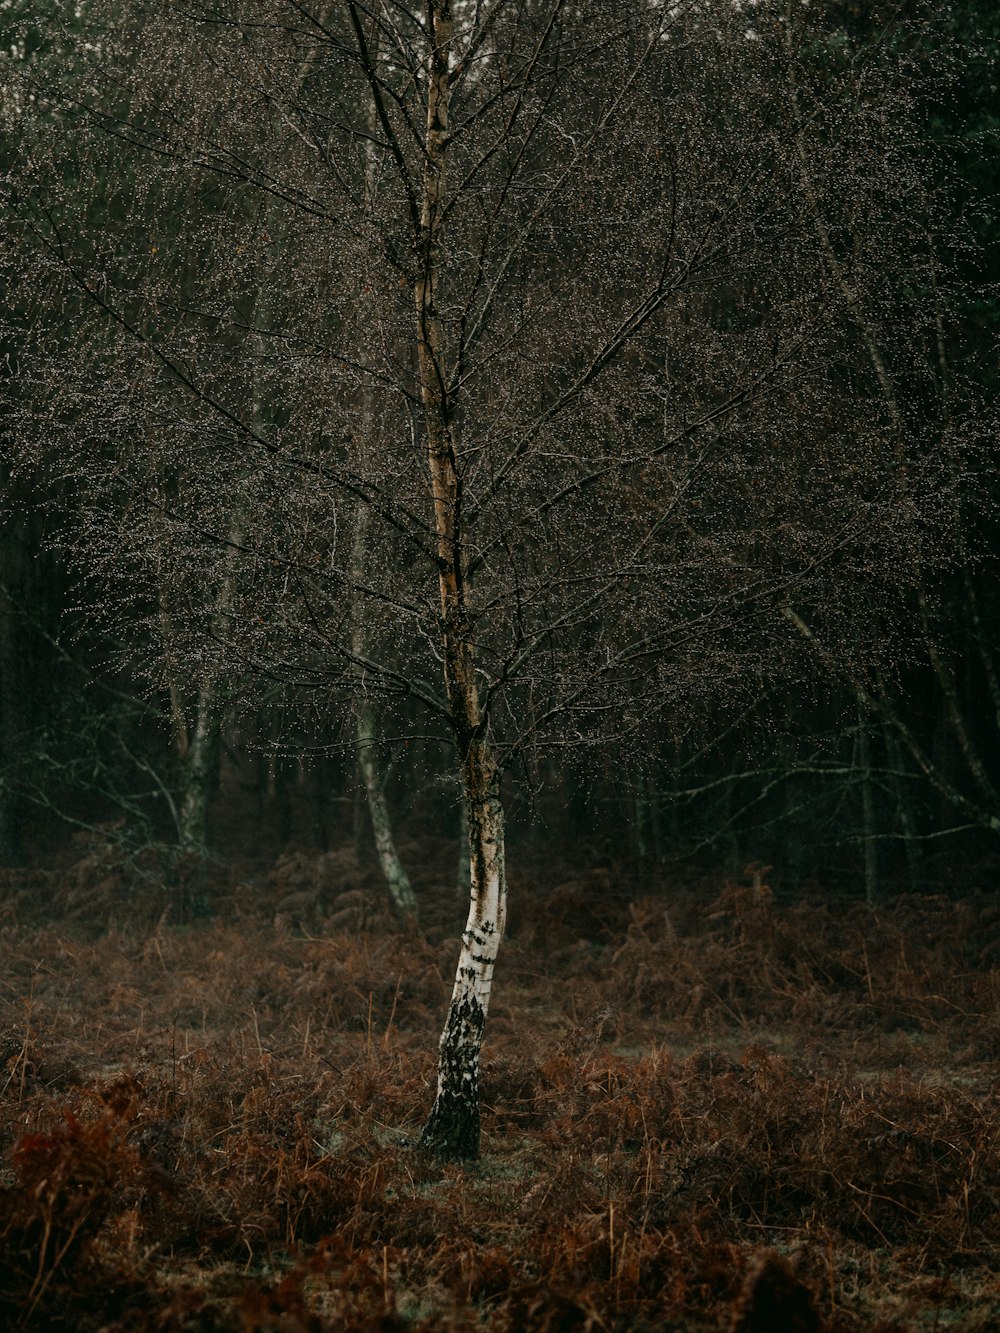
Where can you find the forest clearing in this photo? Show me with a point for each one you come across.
(428, 429)
(702, 1108)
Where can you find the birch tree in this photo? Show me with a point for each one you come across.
(600, 367)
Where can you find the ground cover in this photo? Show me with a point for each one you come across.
(703, 1108)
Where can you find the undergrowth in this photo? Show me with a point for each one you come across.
(702, 1110)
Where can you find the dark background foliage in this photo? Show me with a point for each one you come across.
(863, 757)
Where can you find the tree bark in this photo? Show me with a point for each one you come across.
(366, 722)
(454, 1124)
(198, 763)
(195, 724)
(400, 889)
(453, 1128)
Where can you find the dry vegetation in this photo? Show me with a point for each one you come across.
(704, 1109)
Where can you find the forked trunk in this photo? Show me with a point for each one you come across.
(454, 1124)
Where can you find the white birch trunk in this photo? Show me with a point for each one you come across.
(454, 1125)
(400, 889)
(195, 743)
(366, 723)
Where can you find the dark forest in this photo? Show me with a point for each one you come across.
(499, 487)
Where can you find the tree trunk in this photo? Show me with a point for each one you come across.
(366, 723)
(198, 764)
(400, 889)
(453, 1127)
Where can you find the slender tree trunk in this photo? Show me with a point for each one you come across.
(198, 765)
(454, 1124)
(400, 889)
(366, 722)
(195, 743)
(453, 1127)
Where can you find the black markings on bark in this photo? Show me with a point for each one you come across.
(452, 1129)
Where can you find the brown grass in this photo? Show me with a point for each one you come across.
(702, 1111)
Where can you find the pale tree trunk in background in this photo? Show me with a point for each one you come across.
(366, 736)
(194, 737)
(197, 719)
(366, 723)
(198, 767)
(197, 714)
(454, 1124)
(400, 889)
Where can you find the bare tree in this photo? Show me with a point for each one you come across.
(601, 367)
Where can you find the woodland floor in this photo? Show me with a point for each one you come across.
(702, 1109)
